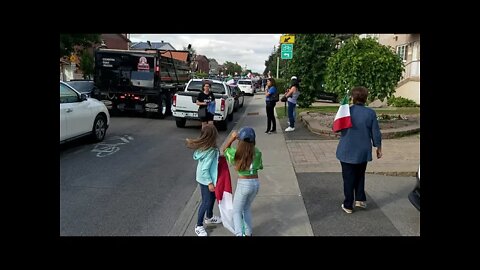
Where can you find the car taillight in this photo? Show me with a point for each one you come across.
(174, 101)
(222, 107)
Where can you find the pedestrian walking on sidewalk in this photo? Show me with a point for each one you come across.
(206, 153)
(354, 149)
(292, 96)
(271, 98)
(247, 160)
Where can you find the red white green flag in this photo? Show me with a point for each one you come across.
(342, 119)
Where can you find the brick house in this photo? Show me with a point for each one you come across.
(202, 64)
(116, 41)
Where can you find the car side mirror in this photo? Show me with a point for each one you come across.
(83, 97)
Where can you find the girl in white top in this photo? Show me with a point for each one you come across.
(292, 96)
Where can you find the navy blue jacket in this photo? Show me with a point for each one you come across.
(355, 144)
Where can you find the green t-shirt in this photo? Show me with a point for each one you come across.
(254, 167)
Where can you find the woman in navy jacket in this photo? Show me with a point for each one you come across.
(354, 149)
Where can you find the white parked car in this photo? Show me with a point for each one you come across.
(246, 86)
(81, 116)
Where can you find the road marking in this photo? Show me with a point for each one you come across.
(104, 148)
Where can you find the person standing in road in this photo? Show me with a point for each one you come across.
(354, 149)
(247, 160)
(292, 96)
(206, 153)
(203, 100)
(271, 98)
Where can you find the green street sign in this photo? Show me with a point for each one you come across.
(287, 51)
(287, 47)
(287, 55)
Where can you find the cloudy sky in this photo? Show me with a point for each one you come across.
(246, 49)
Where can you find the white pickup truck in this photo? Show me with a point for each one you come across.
(184, 105)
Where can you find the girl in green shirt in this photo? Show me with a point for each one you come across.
(247, 160)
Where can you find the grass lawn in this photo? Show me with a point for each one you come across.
(333, 109)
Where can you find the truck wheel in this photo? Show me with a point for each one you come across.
(168, 103)
(162, 107)
(99, 128)
(180, 122)
(222, 125)
(230, 117)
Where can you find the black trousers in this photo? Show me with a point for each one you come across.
(271, 123)
(353, 183)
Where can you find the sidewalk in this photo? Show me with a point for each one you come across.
(279, 208)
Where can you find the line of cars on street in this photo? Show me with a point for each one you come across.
(81, 115)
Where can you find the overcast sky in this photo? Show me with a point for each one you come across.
(245, 49)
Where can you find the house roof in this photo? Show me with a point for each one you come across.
(182, 56)
(155, 45)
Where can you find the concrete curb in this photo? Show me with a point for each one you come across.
(181, 224)
(312, 124)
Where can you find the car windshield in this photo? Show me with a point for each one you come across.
(216, 88)
(245, 82)
(82, 86)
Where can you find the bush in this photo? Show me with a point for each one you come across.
(282, 85)
(401, 102)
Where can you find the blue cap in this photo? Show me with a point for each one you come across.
(246, 134)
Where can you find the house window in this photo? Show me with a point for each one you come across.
(402, 52)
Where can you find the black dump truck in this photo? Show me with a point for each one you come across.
(140, 81)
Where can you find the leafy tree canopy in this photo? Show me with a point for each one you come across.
(364, 62)
(69, 41)
(230, 68)
(310, 55)
(86, 64)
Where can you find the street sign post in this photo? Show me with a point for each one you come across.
(287, 51)
(287, 39)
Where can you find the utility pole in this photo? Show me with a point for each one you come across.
(278, 62)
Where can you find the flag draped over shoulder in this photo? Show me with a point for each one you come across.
(342, 118)
(223, 193)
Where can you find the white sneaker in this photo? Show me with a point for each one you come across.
(348, 211)
(200, 231)
(289, 129)
(213, 220)
(361, 204)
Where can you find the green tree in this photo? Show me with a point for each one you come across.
(309, 63)
(86, 63)
(271, 64)
(364, 62)
(231, 68)
(69, 41)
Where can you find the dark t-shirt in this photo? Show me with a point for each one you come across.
(202, 97)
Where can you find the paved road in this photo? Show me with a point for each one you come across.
(136, 182)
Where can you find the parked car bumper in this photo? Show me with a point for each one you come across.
(414, 195)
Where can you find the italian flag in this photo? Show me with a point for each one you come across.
(223, 194)
(342, 119)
